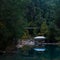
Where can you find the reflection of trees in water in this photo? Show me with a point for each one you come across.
(52, 53)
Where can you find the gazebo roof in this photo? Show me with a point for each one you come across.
(39, 37)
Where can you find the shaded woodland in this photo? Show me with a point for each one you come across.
(16, 15)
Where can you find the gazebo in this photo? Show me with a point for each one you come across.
(39, 40)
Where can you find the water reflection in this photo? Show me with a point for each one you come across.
(52, 53)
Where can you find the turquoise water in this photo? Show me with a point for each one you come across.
(52, 53)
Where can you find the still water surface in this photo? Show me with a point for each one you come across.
(52, 53)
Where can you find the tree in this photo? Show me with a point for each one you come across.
(52, 32)
(44, 30)
(11, 22)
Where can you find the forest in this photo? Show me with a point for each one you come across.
(23, 19)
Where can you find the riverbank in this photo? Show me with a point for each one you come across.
(22, 45)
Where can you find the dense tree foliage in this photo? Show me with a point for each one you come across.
(15, 15)
(11, 22)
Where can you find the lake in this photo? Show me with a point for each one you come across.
(52, 53)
